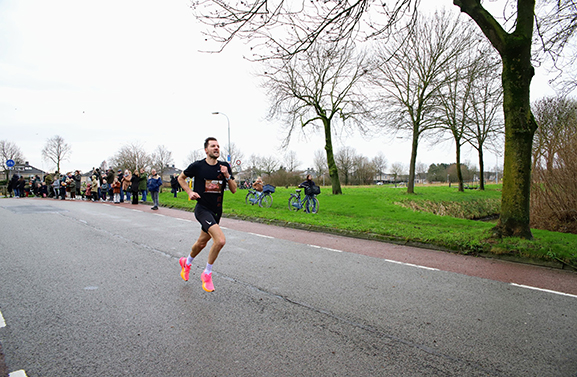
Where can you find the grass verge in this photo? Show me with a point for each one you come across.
(435, 217)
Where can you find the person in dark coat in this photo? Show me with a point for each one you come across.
(174, 185)
(134, 182)
(13, 185)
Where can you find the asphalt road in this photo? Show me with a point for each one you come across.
(91, 289)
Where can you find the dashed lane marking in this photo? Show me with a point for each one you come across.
(260, 235)
(2, 322)
(326, 248)
(543, 290)
(412, 265)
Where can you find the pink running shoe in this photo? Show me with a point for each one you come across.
(207, 282)
(185, 269)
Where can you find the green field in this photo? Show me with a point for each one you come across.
(436, 217)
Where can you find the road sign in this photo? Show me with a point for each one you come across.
(238, 162)
(10, 163)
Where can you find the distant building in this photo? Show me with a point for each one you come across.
(168, 171)
(26, 170)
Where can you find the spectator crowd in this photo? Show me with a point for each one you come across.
(105, 186)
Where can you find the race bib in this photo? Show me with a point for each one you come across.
(212, 186)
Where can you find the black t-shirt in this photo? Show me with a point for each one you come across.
(209, 183)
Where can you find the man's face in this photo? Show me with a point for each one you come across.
(213, 149)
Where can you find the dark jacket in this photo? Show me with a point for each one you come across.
(154, 183)
(134, 181)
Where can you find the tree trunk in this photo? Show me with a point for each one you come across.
(411, 183)
(520, 127)
(458, 166)
(481, 169)
(333, 171)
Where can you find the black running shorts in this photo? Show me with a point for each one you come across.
(206, 217)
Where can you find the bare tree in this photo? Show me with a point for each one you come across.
(235, 155)
(320, 163)
(410, 70)
(56, 150)
(556, 29)
(557, 119)
(364, 171)
(319, 87)
(474, 62)
(291, 161)
(131, 156)
(287, 28)
(345, 161)
(421, 170)
(161, 159)
(264, 165)
(195, 155)
(380, 163)
(397, 169)
(485, 129)
(10, 151)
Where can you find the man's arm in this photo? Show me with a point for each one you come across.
(182, 181)
(232, 185)
(230, 181)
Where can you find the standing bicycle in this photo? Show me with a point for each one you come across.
(263, 199)
(310, 203)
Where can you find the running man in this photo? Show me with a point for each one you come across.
(210, 179)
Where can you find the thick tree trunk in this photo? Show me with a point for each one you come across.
(520, 127)
(333, 171)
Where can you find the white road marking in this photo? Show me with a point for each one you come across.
(178, 218)
(326, 248)
(544, 290)
(18, 373)
(2, 322)
(412, 265)
(260, 235)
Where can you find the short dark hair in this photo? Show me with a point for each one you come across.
(208, 139)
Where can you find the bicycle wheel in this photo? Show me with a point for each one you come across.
(265, 201)
(293, 203)
(312, 205)
(250, 198)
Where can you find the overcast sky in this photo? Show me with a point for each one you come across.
(103, 74)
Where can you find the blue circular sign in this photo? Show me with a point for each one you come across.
(10, 163)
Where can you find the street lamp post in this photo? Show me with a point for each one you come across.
(228, 124)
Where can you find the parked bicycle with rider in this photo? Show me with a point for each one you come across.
(260, 194)
(310, 203)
